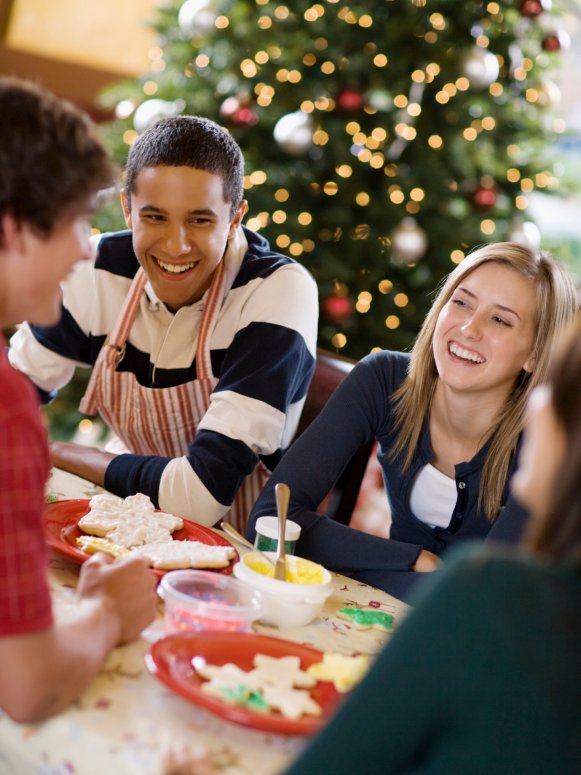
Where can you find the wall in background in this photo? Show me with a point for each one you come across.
(74, 47)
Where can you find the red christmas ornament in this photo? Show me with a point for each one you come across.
(484, 197)
(350, 101)
(229, 106)
(238, 112)
(337, 309)
(244, 116)
(533, 8)
(555, 41)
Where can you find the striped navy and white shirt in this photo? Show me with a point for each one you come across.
(262, 350)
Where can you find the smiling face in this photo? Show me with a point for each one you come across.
(181, 225)
(32, 267)
(484, 334)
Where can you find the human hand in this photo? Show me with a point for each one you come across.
(126, 587)
(179, 761)
(88, 462)
(427, 562)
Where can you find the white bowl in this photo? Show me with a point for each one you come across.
(286, 603)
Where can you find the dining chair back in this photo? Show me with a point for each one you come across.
(330, 370)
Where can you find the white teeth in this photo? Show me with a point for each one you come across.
(175, 269)
(466, 355)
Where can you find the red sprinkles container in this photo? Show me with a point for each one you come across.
(197, 600)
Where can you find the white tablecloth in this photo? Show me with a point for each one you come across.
(126, 718)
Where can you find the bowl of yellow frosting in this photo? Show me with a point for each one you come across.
(290, 603)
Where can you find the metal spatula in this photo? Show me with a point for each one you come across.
(282, 498)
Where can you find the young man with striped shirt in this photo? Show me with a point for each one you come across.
(202, 340)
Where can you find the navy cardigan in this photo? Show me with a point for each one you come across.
(360, 409)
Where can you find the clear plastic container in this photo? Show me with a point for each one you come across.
(203, 600)
(267, 535)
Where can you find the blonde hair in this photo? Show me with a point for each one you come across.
(556, 305)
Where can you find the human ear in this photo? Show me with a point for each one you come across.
(126, 207)
(529, 365)
(12, 233)
(237, 219)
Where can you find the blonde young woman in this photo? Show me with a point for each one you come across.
(447, 419)
(497, 688)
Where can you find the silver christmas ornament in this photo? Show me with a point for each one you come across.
(409, 242)
(196, 16)
(151, 111)
(294, 132)
(525, 233)
(481, 67)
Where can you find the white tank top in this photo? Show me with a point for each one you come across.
(433, 497)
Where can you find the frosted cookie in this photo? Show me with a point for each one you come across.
(343, 671)
(281, 672)
(232, 684)
(292, 703)
(133, 523)
(105, 501)
(134, 531)
(104, 511)
(138, 503)
(128, 522)
(366, 618)
(168, 521)
(186, 554)
(98, 522)
(94, 544)
(140, 506)
(222, 675)
(268, 686)
(240, 695)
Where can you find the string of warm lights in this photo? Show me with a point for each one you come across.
(373, 145)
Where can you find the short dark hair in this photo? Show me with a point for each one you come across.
(557, 534)
(189, 141)
(51, 160)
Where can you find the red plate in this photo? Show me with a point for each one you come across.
(170, 661)
(62, 530)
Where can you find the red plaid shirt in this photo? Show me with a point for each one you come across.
(24, 465)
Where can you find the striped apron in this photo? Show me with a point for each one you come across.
(163, 421)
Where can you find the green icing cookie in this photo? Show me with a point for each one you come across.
(364, 618)
(243, 695)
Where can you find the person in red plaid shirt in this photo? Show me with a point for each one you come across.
(52, 167)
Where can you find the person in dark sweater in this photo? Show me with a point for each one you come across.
(484, 676)
(447, 419)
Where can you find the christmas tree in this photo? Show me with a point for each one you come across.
(383, 138)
